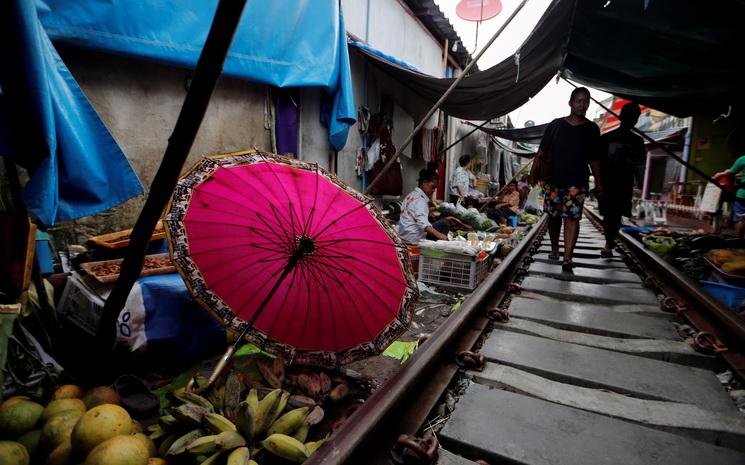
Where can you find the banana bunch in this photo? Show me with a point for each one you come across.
(198, 431)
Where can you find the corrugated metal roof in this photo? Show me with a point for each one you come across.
(438, 25)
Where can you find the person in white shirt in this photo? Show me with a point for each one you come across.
(414, 225)
(460, 182)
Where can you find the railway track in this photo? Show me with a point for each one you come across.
(614, 363)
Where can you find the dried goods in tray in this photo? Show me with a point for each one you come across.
(107, 271)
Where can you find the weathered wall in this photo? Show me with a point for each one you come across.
(392, 29)
(139, 103)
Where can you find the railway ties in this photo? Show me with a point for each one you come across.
(589, 370)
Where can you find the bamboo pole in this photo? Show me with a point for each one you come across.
(444, 97)
(208, 70)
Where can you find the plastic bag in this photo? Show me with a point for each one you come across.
(533, 202)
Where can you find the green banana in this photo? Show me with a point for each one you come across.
(168, 421)
(213, 459)
(265, 411)
(203, 445)
(218, 423)
(301, 434)
(277, 410)
(313, 446)
(189, 414)
(156, 431)
(253, 399)
(286, 447)
(187, 397)
(229, 440)
(179, 445)
(166, 444)
(245, 420)
(239, 456)
(289, 422)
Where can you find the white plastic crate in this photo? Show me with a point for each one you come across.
(452, 270)
(80, 305)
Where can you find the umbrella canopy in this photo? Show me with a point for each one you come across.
(287, 252)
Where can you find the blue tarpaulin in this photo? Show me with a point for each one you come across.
(49, 127)
(77, 167)
(284, 43)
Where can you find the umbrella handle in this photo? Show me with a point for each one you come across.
(215, 372)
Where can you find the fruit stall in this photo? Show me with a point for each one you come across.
(715, 261)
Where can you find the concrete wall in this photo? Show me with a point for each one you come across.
(393, 30)
(139, 103)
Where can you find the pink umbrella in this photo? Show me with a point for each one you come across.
(288, 256)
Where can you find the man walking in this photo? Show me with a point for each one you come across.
(624, 151)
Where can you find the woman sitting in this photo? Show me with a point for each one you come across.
(414, 223)
(506, 205)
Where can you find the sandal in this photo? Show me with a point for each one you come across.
(554, 256)
(567, 266)
(606, 253)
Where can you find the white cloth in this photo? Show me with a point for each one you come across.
(414, 217)
(461, 177)
(373, 154)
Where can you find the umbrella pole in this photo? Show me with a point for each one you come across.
(249, 324)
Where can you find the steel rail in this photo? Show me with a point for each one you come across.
(703, 311)
(358, 440)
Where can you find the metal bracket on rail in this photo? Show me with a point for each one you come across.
(497, 314)
(513, 288)
(410, 450)
(528, 260)
(708, 343)
(521, 271)
(652, 283)
(470, 360)
(671, 305)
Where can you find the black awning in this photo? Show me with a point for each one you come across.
(531, 135)
(680, 57)
(497, 90)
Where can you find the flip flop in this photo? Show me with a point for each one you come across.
(606, 253)
(567, 266)
(554, 256)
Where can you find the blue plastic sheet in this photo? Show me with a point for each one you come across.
(163, 322)
(50, 127)
(285, 43)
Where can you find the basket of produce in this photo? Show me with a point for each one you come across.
(729, 264)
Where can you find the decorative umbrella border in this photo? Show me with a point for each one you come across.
(179, 249)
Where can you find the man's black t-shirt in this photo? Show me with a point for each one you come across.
(572, 149)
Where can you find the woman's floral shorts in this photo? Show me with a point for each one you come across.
(564, 202)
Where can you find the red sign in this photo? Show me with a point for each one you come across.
(478, 10)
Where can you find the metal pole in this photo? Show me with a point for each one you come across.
(442, 99)
(208, 70)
